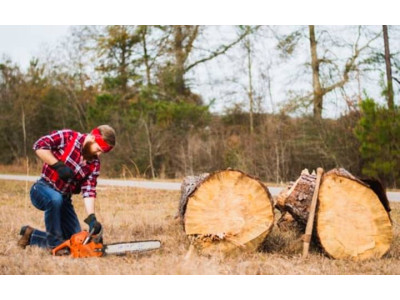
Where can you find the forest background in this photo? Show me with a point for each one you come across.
(268, 100)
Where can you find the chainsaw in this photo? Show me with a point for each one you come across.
(88, 244)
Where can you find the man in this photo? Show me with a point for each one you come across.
(71, 165)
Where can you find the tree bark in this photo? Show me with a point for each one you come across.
(250, 93)
(179, 59)
(143, 33)
(182, 51)
(188, 186)
(225, 212)
(317, 88)
(296, 199)
(388, 68)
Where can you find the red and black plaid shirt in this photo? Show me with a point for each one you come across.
(86, 173)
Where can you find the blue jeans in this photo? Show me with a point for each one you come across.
(59, 216)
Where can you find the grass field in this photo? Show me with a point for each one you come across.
(133, 214)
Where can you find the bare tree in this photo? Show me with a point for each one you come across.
(248, 47)
(320, 90)
(182, 47)
(318, 93)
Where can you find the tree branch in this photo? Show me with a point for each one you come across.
(192, 37)
(350, 64)
(223, 49)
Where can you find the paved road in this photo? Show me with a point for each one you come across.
(158, 185)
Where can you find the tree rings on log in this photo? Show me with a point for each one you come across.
(351, 221)
(352, 216)
(227, 211)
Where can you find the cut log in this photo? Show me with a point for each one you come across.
(352, 217)
(296, 200)
(352, 223)
(189, 184)
(227, 211)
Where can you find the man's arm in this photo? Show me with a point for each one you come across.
(89, 205)
(46, 156)
(94, 225)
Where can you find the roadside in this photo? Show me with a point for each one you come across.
(158, 185)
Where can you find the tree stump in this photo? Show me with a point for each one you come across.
(226, 211)
(352, 218)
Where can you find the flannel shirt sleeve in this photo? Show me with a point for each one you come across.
(55, 140)
(89, 185)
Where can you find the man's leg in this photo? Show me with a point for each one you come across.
(69, 220)
(50, 201)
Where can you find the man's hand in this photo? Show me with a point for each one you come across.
(63, 171)
(93, 224)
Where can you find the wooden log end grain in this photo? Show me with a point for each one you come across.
(352, 222)
(228, 211)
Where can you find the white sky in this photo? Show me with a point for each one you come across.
(21, 43)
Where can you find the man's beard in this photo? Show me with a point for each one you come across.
(86, 152)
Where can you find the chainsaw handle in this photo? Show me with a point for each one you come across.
(61, 246)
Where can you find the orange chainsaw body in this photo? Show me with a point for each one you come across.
(79, 249)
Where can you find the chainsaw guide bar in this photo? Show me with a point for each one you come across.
(130, 247)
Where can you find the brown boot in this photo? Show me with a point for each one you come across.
(26, 232)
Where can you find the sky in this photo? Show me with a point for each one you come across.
(22, 42)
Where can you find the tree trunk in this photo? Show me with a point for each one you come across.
(179, 60)
(250, 93)
(388, 68)
(225, 211)
(352, 217)
(317, 88)
(144, 32)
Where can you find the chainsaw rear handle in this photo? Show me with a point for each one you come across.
(66, 244)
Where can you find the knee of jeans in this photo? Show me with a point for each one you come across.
(56, 202)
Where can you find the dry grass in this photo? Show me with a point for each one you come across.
(134, 214)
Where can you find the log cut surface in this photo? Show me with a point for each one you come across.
(352, 223)
(229, 210)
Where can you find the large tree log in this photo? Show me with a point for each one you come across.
(352, 217)
(352, 223)
(226, 211)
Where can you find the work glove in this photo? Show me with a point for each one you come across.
(93, 224)
(63, 171)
